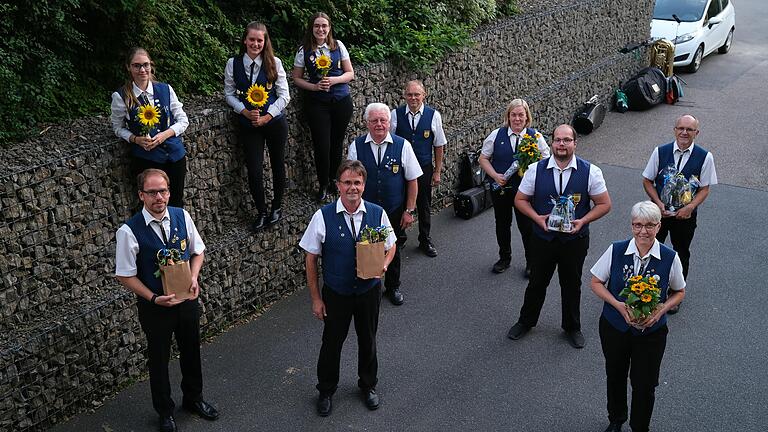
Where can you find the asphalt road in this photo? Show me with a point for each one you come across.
(445, 363)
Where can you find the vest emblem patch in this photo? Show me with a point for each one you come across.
(426, 134)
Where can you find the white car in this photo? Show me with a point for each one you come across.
(695, 27)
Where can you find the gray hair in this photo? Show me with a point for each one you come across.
(375, 106)
(646, 211)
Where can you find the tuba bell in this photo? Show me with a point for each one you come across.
(663, 56)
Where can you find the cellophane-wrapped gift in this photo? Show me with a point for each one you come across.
(677, 191)
(563, 214)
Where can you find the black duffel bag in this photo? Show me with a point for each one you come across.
(646, 89)
(473, 201)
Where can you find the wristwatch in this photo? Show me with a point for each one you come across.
(411, 212)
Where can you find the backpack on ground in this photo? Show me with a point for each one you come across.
(675, 86)
(470, 173)
(646, 89)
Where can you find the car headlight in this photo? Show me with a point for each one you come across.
(684, 38)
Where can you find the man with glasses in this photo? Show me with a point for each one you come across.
(545, 182)
(689, 159)
(139, 241)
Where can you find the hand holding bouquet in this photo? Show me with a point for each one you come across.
(642, 297)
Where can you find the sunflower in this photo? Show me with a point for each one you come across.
(323, 62)
(645, 298)
(149, 115)
(637, 288)
(257, 96)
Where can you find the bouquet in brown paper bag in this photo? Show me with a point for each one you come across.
(174, 273)
(370, 251)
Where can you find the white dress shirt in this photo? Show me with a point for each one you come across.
(128, 248)
(120, 113)
(410, 165)
(708, 175)
(314, 236)
(299, 60)
(436, 126)
(596, 184)
(230, 91)
(488, 142)
(602, 268)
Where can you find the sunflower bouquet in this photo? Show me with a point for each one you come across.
(642, 295)
(149, 117)
(528, 152)
(370, 253)
(323, 65)
(174, 272)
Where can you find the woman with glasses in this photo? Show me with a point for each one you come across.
(499, 152)
(250, 77)
(633, 347)
(327, 102)
(148, 115)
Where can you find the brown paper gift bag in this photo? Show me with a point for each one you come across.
(177, 279)
(370, 260)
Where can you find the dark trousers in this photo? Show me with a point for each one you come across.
(392, 276)
(638, 356)
(503, 211)
(275, 135)
(176, 172)
(568, 257)
(340, 310)
(424, 202)
(681, 233)
(159, 324)
(328, 125)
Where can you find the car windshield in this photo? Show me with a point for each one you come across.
(686, 10)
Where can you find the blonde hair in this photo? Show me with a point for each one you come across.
(517, 103)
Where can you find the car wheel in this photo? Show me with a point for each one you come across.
(727, 44)
(696, 62)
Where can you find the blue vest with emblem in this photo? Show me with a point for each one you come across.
(545, 190)
(692, 166)
(243, 83)
(503, 154)
(386, 183)
(422, 138)
(339, 259)
(337, 91)
(622, 267)
(172, 149)
(150, 243)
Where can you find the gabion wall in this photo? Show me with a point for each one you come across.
(68, 331)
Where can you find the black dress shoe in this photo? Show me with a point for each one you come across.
(259, 223)
(395, 296)
(575, 338)
(428, 248)
(202, 409)
(167, 424)
(321, 194)
(275, 216)
(517, 331)
(324, 405)
(675, 309)
(371, 399)
(501, 265)
(613, 427)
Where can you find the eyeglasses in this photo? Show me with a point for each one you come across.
(350, 183)
(564, 140)
(648, 226)
(154, 193)
(685, 129)
(140, 66)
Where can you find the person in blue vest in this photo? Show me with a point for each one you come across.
(256, 65)
(689, 159)
(635, 348)
(327, 102)
(332, 234)
(496, 156)
(156, 227)
(393, 171)
(422, 126)
(161, 145)
(561, 175)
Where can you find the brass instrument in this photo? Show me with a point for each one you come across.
(663, 56)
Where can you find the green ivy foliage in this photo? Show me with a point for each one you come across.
(62, 59)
